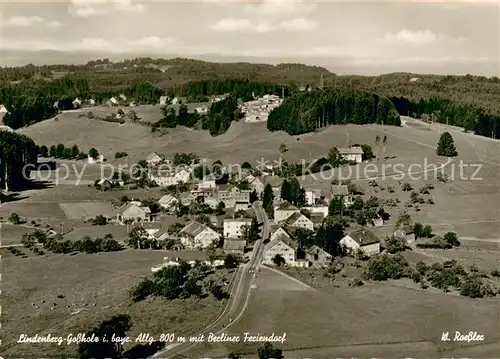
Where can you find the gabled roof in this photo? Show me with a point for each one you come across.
(293, 218)
(364, 237)
(355, 150)
(317, 250)
(274, 181)
(237, 220)
(193, 228)
(288, 241)
(286, 206)
(152, 155)
(167, 198)
(339, 190)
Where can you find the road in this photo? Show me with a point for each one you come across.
(240, 292)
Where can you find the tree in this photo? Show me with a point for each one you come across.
(427, 231)
(52, 151)
(446, 146)
(253, 196)
(44, 151)
(137, 237)
(233, 355)
(99, 220)
(60, 150)
(278, 260)
(286, 191)
(14, 218)
(75, 151)
(367, 152)
(231, 261)
(267, 200)
(268, 351)
(334, 157)
(417, 229)
(93, 153)
(336, 206)
(221, 209)
(246, 166)
(384, 142)
(452, 238)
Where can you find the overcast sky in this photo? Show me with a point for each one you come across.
(357, 37)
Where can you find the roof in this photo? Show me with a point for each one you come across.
(236, 220)
(152, 155)
(293, 218)
(351, 150)
(316, 250)
(234, 244)
(286, 206)
(339, 190)
(364, 238)
(167, 198)
(282, 238)
(407, 229)
(193, 228)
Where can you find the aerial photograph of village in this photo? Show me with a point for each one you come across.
(249, 179)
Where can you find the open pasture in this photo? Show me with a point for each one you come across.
(86, 210)
(11, 234)
(95, 287)
(369, 315)
(118, 232)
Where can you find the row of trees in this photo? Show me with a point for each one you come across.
(60, 151)
(307, 111)
(467, 115)
(16, 152)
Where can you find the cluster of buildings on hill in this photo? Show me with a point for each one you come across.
(258, 110)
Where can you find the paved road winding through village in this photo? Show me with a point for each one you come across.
(239, 295)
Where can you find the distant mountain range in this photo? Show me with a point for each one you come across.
(341, 66)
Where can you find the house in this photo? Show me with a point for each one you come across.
(187, 198)
(98, 159)
(163, 100)
(134, 213)
(230, 195)
(341, 190)
(310, 197)
(256, 184)
(283, 246)
(175, 101)
(376, 222)
(168, 202)
(112, 101)
(298, 220)
(278, 232)
(92, 102)
(352, 154)
(362, 240)
(318, 256)
(317, 219)
(154, 158)
(285, 210)
(182, 176)
(3, 109)
(405, 232)
(197, 236)
(123, 97)
(234, 228)
(317, 209)
(105, 185)
(207, 183)
(234, 246)
(77, 103)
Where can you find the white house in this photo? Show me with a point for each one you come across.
(163, 100)
(202, 110)
(285, 210)
(197, 236)
(182, 176)
(298, 220)
(113, 101)
(256, 184)
(362, 240)
(168, 202)
(77, 103)
(134, 213)
(352, 154)
(341, 190)
(234, 228)
(175, 101)
(279, 232)
(3, 109)
(207, 183)
(99, 159)
(283, 247)
(92, 102)
(321, 209)
(123, 97)
(154, 158)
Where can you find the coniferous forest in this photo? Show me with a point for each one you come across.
(307, 111)
(16, 152)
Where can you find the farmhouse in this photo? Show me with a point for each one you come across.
(98, 159)
(341, 190)
(285, 210)
(256, 184)
(352, 154)
(312, 195)
(163, 100)
(168, 202)
(3, 109)
(279, 232)
(235, 228)
(105, 185)
(406, 233)
(318, 256)
(287, 249)
(134, 213)
(362, 240)
(298, 220)
(187, 198)
(231, 195)
(207, 183)
(317, 210)
(112, 102)
(234, 246)
(197, 236)
(154, 158)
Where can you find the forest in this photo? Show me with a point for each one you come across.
(307, 111)
(16, 152)
(29, 92)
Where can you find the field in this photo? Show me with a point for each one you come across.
(358, 322)
(94, 288)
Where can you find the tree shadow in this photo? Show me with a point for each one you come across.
(11, 197)
(143, 351)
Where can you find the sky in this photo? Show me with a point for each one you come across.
(367, 38)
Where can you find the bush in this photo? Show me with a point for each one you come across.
(384, 267)
(356, 283)
(121, 154)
